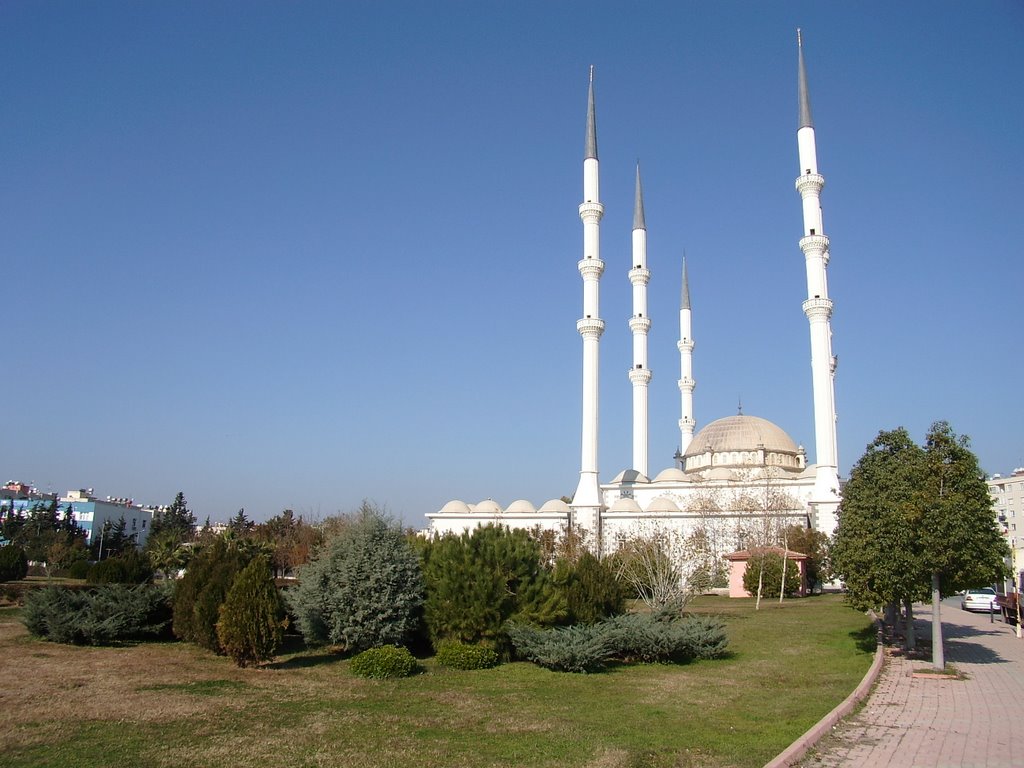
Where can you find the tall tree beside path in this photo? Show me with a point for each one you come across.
(916, 520)
(961, 544)
(875, 548)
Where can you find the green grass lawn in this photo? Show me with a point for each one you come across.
(174, 705)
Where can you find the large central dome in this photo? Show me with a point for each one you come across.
(742, 441)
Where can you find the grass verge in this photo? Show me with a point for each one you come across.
(170, 704)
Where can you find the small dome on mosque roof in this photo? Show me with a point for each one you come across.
(741, 433)
(625, 504)
(662, 504)
(555, 505)
(520, 506)
(455, 506)
(487, 507)
(630, 476)
(671, 475)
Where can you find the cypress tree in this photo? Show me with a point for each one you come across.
(251, 621)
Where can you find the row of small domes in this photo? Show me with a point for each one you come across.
(662, 504)
(491, 507)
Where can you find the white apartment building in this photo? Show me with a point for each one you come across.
(1008, 502)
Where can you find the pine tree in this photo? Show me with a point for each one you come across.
(177, 518)
(251, 622)
(478, 581)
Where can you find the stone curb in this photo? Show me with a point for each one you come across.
(801, 746)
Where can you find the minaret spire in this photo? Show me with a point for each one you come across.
(818, 309)
(586, 502)
(686, 382)
(590, 143)
(805, 120)
(640, 325)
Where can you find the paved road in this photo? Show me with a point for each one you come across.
(913, 721)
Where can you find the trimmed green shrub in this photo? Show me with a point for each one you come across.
(130, 567)
(482, 579)
(104, 616)
(772, 579)
(79, 569)
(252, 620)
(462, 656)
(384, 662)
(580, 648)
(591, 589)
(13, 563)
(363, 590)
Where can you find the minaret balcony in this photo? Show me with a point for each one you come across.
(814, 245)
(686, 345)
(639, 324)
(639, 276)
(591, 211)
(639, 376)
(591, 268)
(686, 384)
(818, 307)
(591, 327)
(810, 184)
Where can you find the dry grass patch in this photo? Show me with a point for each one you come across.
(174, 705)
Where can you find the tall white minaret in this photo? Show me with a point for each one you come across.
(639, 324)
(818, 309)
(586, 502)
(686, 382)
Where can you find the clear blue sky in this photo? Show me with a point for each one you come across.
(296, 254)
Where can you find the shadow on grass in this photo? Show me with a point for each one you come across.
(866, 639)
(306, 661)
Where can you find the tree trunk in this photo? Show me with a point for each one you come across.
(911, 639)
(938, 655)
(891, 611)
(760, 583)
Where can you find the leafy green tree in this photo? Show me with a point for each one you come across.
(478, 581)
(815, 544)
(875, 548)
(960, 543)
(917, 520)
(363, 590)
(252, 617)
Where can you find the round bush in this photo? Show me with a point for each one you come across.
(79, 569)
(462, 656)
(384, 662)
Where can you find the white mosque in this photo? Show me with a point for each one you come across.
(737, 475)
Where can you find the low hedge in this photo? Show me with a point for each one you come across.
(384, 662)
(462, 656)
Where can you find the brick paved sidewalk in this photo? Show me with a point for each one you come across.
(911, 721)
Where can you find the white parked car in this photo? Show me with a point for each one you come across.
(983, 599)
